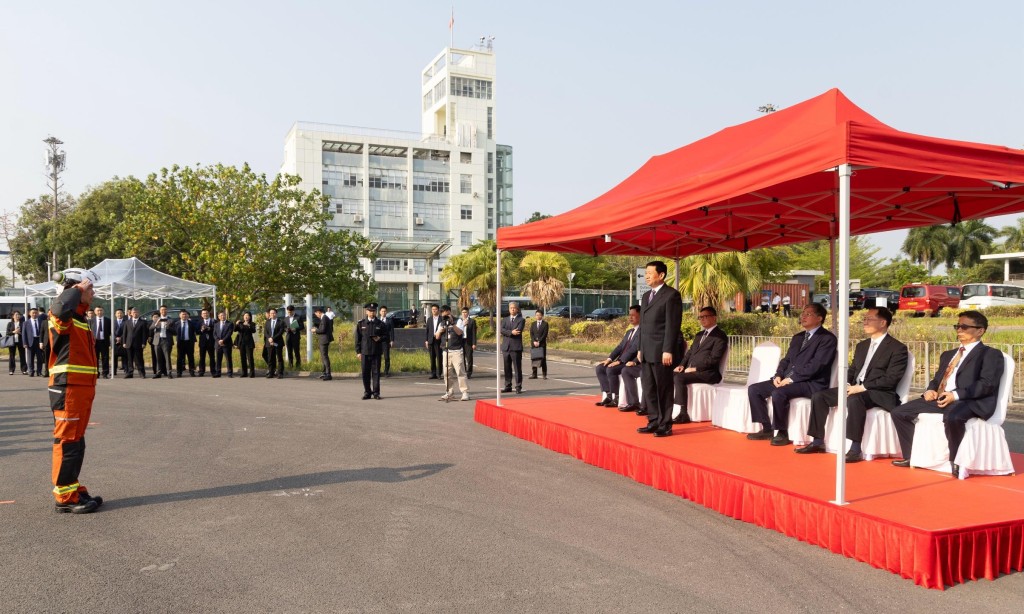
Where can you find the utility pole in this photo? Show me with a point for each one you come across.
(55, 159)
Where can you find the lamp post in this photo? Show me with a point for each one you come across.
(571, 276)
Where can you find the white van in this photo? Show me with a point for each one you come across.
(9, 304)
(980, 296)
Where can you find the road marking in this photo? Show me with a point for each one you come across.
(3, 502)
(569, 381)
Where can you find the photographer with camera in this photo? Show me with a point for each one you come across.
(452, 339)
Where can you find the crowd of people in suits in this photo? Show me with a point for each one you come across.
(964, 386)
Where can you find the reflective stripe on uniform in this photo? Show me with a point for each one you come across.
(82, 325)
(55, 323)
(67, 419)
(63, 490)
(73, 369)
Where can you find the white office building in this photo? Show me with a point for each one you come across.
(420, 198)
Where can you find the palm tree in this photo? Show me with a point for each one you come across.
(710, 279)
(967, 242)
(927, 245)
(474, 272)
(1014, 237)
(545, 271)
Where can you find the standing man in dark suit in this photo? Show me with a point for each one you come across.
(389, 340)
(185, 332)
(100, 326)
(539, 339)
(273, 337)
(702, 362)
(468, 325)
(806, 369)
(324, 329)
(293, 333)
(222, 332)
(965, 386)
(136, 331)
(879, 363)
(163, 342)
(512, 347)
(432, 344)
(32, 339)
(370, 335)
(44, 347)
(206, 345)
(119, 352)
(609, 369)
(661, 313)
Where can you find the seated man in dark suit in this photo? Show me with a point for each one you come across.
(608, 370)
(806, 369)
(879, 363)
(965, 386)
(702, 363)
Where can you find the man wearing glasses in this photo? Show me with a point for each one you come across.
(879, 363)
(702, 362)
(965, 386)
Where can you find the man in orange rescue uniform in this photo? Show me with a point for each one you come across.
(72, 364)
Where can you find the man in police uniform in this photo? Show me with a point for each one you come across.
(370, 334)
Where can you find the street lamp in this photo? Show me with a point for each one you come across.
(571, 275)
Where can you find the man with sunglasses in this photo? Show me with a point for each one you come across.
(702, 362)
(965, 386)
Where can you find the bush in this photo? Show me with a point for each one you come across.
(483, 328)
(690, 327)
(1002, 311)
(558, 328)
(587, 331)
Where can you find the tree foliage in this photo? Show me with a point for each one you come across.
(710, 279)
(967, 241)
(927, 245)
(474, 273)
(1013, 236)
(814, 255)
(34, 240)
(541, 275)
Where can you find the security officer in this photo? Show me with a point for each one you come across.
(370, 334)
(72, 366)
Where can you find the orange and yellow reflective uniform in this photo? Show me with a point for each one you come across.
(72, 364)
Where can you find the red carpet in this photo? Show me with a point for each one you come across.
(917, 523)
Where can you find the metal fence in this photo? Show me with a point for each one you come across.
(926, 356)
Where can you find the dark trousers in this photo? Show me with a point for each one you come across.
(292, 345)
(325, 357)
(656, 379)
(224, 351)
(513, 367)
(205, 349)
(120, 357)
(275, 359)
(371, 373)
(681, 380)
(435, 357)
(542, 364)
(857, 406)
(35, 358)
(386, 349)
(245, 354)
(186, 349)
(630, 375)
(163, 356)
(136, 361)
(609, 377)
(758, 394)
(103, 357)
(20, 350)
(467, 359)
(954, 417)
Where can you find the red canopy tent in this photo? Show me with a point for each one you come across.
(787, 177)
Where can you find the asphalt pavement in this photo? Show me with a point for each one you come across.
(293, 495)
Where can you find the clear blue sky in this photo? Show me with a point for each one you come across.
(586, 91)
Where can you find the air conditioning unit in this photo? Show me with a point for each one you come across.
(419, 221)
(357, 218)
(411, 271)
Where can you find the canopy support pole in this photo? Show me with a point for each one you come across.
(309, 319)
(677, 274)
(498, 329)
(833, 285)
(113, 346)
(841, 314)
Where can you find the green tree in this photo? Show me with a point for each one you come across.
(1013, 236)
(254, 238)
(815, 255)
(710, 279)
(899, 272)
(34, 241)
(968, 240)
(542, 274)
(87, 230)
(984, 271)
(474, 272)
(536, 217)
(927, 245)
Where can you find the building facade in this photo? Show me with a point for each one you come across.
(420, 198)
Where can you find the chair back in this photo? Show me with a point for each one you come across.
(724, 364)
(834, 381)
(763, 362)
(1005, 383)
(903, 388)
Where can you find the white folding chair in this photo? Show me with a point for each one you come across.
(983, 450)
(880, 438)
(731, 407)
(701, 397)
(931, 449)
(800, 412)
(622, 391)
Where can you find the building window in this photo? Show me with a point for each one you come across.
(490, 122)
(390, 178)
(467, 212)
(470, 88)
(466, 157)
(490, 218)
(347, 205)
(465, 184)
(490, 190)
(430, 182)
(490, 162)
(348, 176)
(387, 264)
(467, 238)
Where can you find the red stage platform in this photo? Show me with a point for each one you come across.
(917, 523)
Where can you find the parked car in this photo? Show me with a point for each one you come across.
(400, 318)
(868, 297)
(924, 297)
(823, 299)
(980, 296)
(606, 313)
(479, 312)
(562, 311)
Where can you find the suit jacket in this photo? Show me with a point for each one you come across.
(135, 335)
(884, 373)
(106, 329)
(706, 352)
(156, 329)
(470, 332)
(206, 333)
(370, 336)
(430, 322)
(659, 324)
(293, 330)
(274, 329)
(244, 337)
(222, 331)
(324, 330)
(510, 342)
(627, 349)
(389, 336)
(539, 333)
(190, 326)
(810, 362)
(21, 327)
(119, 330)
(977, 378)
(27, 338)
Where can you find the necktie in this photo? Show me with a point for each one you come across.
(99, 328)
(630, 336)
(949, 370)
(703, 337)
(867, 361)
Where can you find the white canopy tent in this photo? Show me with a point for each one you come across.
(131, 278)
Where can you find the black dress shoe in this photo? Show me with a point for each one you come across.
(366, 397)
(763, 435)
(82, 507)
(327, 379)
(641, 412)
(433, 377)
(956, 471)
(630, 408)
(253, 374)
(280, 375)
(682, 419)
(229, 375)
(519, 391)
(646, 430)
(600, 403)
(157, 376)
(811, 448)
(509, 389)
(903, 462)
(534, 376)
(129, 376)
(854, 457)
(663, 432)
(82, 497)
(376, 397)
(781, 440)
(611, 402)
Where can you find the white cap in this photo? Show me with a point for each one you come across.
(76, 275)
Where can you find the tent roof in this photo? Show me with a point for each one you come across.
(133, 278)
(764, 183)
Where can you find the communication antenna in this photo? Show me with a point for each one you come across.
(55, 164)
